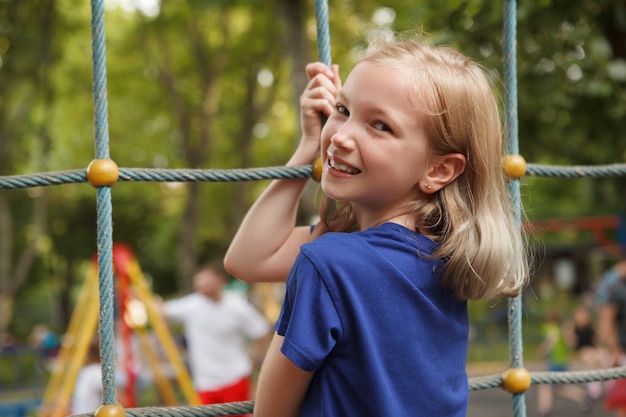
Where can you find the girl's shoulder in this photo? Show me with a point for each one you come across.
(390, 238)
(386, 232)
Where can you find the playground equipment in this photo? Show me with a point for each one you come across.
(136, 309)
(598, 226)
(102, 173)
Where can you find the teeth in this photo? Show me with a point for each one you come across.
(343, 168)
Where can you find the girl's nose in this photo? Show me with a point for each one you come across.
(343, 137)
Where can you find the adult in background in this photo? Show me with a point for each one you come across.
(611, 297)
(219, 327)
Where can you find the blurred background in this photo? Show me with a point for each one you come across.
(215, 84)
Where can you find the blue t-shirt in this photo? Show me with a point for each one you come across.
(370, 317)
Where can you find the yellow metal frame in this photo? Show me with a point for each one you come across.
(82, 328)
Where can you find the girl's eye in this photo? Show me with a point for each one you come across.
(382, 127)
(342, 110)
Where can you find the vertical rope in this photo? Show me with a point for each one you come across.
(510, 78)
(323, 33)
(323, 50)
(103, 207)
(106, 286)
(510, 73)
(99, 79)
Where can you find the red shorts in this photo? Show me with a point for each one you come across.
(239, 391)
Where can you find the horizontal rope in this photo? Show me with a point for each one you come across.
(214, 175)
(43, 179)
(564, 377)
(475, 383)
(158, 175)
(213, 410)
(596, 171)
(257, 174)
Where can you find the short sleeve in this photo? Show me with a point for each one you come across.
(309, 320)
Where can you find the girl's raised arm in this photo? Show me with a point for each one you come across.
(268, 240)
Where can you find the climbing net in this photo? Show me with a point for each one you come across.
(102, 173)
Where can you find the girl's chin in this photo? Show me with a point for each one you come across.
(328, 189)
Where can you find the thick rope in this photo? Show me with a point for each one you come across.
(565, 377)
(598, 171)
(475, 383)
(106, 320)
(323, 31)
(264, 173)
(213, 410)
(516, 357)
(104, 222)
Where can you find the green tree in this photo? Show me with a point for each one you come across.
(24, 109)
(184, 92)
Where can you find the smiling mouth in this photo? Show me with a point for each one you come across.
(342, 167)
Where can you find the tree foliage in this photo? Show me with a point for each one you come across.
(216, 84)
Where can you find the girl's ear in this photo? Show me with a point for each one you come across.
(442, 172)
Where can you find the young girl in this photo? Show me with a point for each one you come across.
(416, 220)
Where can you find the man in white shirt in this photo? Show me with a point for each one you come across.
(218, 328)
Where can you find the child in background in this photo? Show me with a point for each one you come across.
(586, 348)
(415, 220)
(557, 351)
(87, 395)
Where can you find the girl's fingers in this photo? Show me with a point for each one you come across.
(315, 68)
(319, 93)
(336, 79)
(319, 96)
(320, 74)
(313, 107)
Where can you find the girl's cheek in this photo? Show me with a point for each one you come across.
(326, 134)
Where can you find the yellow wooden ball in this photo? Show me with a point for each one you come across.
(102, 172)
(110, 410)
(316, 172)
(514, 166)
(516, 380)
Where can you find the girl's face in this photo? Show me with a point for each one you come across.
(374, 148)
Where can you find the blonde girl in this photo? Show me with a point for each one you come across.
(416, 220)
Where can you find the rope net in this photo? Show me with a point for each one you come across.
(104, 223)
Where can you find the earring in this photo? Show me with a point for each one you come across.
(427, 186)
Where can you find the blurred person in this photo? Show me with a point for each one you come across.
(46, 343)
(611, 297)
(218, 328)
(556, 350)
(44, 339)
(586, 350)
(87, 394)
(8, 343)
(608, 279)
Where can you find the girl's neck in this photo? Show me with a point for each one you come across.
(403, 219)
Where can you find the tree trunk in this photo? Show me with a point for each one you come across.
(15, 270)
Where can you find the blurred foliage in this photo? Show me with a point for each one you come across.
(199, 84)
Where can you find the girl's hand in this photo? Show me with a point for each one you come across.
(318, 99)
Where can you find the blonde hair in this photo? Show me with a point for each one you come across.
(472, 218)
